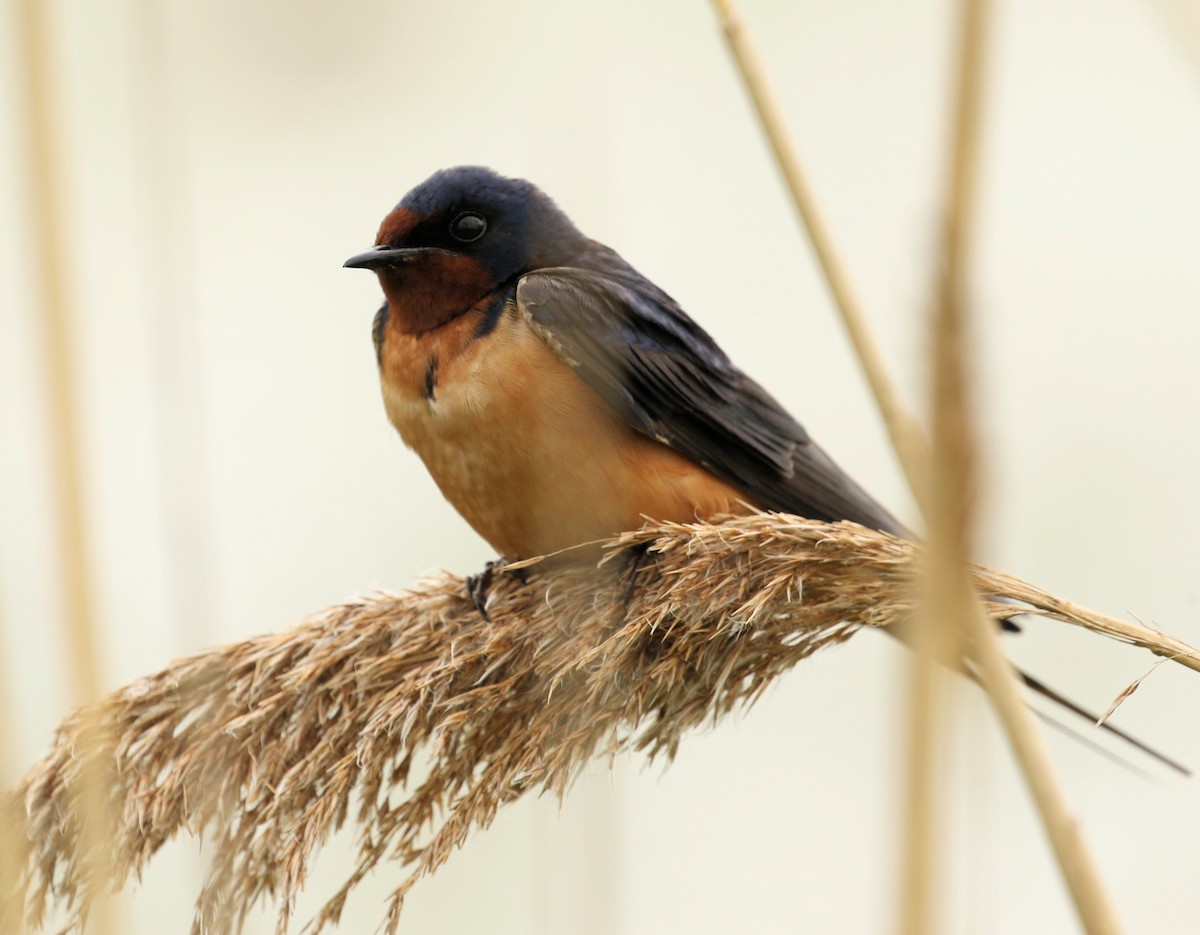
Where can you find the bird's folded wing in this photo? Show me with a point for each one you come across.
(664, 376)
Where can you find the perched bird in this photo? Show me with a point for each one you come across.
(557, 396)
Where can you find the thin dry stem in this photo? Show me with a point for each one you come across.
(13, 855)
(267, 746)
(60, 385)
(913, 454)
(949, 503)
(50, 251)
(951, 495)
(906, 436)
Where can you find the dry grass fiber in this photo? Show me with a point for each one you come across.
(267, 746)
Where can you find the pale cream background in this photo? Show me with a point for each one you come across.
(227, 156)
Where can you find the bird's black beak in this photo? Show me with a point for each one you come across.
(380, 257)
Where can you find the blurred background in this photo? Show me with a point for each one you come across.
(218, 161)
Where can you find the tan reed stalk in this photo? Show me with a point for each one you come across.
(913, 455)
(951, 474)
(266, 746)
(949, 509)
(906, 437)
(49, 255)
(13, 854)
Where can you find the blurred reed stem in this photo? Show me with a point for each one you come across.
(949, 504)
(952, 488)
(913, 452)
(907, 440)
(49, 252)
(13, 853)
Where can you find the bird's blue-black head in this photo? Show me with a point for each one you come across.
(508, 226)
(460, 235)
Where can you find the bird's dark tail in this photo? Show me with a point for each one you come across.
(1039, 687)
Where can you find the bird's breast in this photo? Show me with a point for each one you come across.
(529, 455)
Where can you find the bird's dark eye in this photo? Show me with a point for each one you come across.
(468, 226)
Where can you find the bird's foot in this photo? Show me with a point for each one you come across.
(639, 556)
(479, 586)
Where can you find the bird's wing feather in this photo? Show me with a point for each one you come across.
(636, 348)
(664, 376)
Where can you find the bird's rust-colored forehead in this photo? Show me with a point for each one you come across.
(396, 225)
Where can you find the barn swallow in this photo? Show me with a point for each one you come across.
(558, 397)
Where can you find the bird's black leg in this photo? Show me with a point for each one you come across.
(639, 555)
(479, 585)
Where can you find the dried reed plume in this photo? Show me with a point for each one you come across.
(269, 745)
